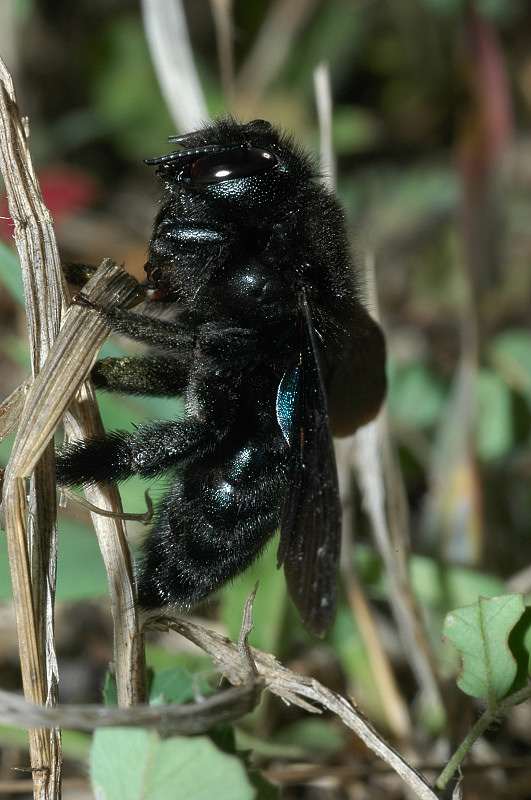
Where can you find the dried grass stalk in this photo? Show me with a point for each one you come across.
(31, 522)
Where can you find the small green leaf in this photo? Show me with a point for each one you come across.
(136, 764)
(269, 607)
(177, 686)
(264, 789)
(10, 275)
(110, 692)
(510, 352)
(313, 734)
(416, 396)
(494, 422)
(480, 633)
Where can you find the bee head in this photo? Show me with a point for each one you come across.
(248, 169)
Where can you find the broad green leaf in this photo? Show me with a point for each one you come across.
(136, 764)
(480, 633)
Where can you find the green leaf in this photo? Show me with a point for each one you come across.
(510, 352)
(416, 396)
(136, 764)
(80, 570)
(264, 789)
(10, 275)
(480, 633)
(313, 734)
(110, 692)
(269, 607)
(177, 686)
(494, 421)
(125, 93)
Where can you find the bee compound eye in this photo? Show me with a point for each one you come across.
(241, 163)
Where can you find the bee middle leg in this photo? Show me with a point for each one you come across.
(153, 449)
(150, 376)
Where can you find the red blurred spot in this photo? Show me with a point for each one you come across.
(66, 190)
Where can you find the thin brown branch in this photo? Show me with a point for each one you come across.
(187, 719)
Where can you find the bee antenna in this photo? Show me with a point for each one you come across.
(177, 155)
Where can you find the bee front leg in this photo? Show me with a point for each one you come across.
(160, 333)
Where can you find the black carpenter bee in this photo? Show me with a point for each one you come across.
(273, 353)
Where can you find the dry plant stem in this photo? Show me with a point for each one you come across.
(70, 358)
(11, 408)
(373, 485)
(129, 653)
(250, 671)
(222, 13)
(374, 452)
(385, 497)
(171, 53)
(69, 361)
(382, 486)
(51, 392)
(392, 702)
(187, 719)
(323, 99)
(284, 20)
(32, 554)
(110, 286)
(294, 689)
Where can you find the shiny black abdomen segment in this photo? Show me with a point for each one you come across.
(214, 521)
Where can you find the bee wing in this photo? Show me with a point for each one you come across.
(310, 535)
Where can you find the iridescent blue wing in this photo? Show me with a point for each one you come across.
(310, 535)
